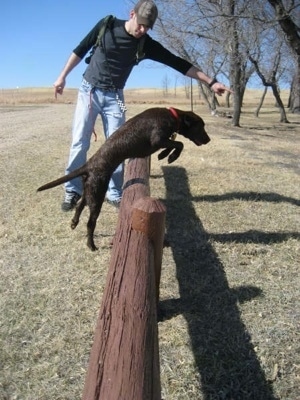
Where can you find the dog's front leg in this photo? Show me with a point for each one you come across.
(164, 153)
(173, 147)
(176, 153)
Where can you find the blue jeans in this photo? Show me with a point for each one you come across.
(91, 102)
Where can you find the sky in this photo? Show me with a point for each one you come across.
(38, 36)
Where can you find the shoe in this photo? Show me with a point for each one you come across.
(116, 203)
(70, 201)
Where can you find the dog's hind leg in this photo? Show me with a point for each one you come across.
(95, 209)
(78, 211)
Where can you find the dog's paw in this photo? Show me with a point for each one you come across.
(74, 224)
(163, 154)
(91, 244)
(172, 157)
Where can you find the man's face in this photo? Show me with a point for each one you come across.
(137, 30)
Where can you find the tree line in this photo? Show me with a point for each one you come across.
(236, 40)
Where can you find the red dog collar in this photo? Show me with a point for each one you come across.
(174, 113)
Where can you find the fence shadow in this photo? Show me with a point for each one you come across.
(270, 197)
(224, 354)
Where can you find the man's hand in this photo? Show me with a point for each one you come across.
(59, 85)
(219, 88)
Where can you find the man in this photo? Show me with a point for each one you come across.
(101, 90)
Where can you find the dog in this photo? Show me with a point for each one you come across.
(139, 137)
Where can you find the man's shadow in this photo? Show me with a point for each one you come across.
(221, 344)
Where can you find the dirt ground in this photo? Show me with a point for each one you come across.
(230, 278)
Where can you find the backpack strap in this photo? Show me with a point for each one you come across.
(140, 49)
(106, 23)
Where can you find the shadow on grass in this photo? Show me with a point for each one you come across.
(254, 236)
(249, 196)
(221, 345)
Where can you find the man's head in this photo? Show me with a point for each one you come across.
(146, 13)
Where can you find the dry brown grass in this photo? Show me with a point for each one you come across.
(230, 280)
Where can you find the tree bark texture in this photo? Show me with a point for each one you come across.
(294, 101)
(289, 27)
(292, 34)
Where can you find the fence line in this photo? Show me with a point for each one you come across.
(124, 359)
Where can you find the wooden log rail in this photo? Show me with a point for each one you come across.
(124, 359)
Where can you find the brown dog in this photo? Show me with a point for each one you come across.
(139, 137)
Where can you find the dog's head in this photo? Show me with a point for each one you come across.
(192, 127)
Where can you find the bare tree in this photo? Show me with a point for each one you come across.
(165, 85)
(175, 85)
(269, 54)
(294, 97)
(285, 19)
(217, 36)
(288, 17)
(210, 34)
(261, 101)
(272, 82)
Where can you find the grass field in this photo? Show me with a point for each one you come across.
(230, 278)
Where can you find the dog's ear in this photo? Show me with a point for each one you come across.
(187, 120)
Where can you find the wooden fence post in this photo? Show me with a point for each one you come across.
(149, 217)
(124, 360)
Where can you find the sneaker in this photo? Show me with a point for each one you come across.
(70, 201)
(116, 203)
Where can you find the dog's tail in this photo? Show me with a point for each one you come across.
(74, 174)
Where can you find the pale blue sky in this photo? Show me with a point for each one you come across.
(37, 37)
